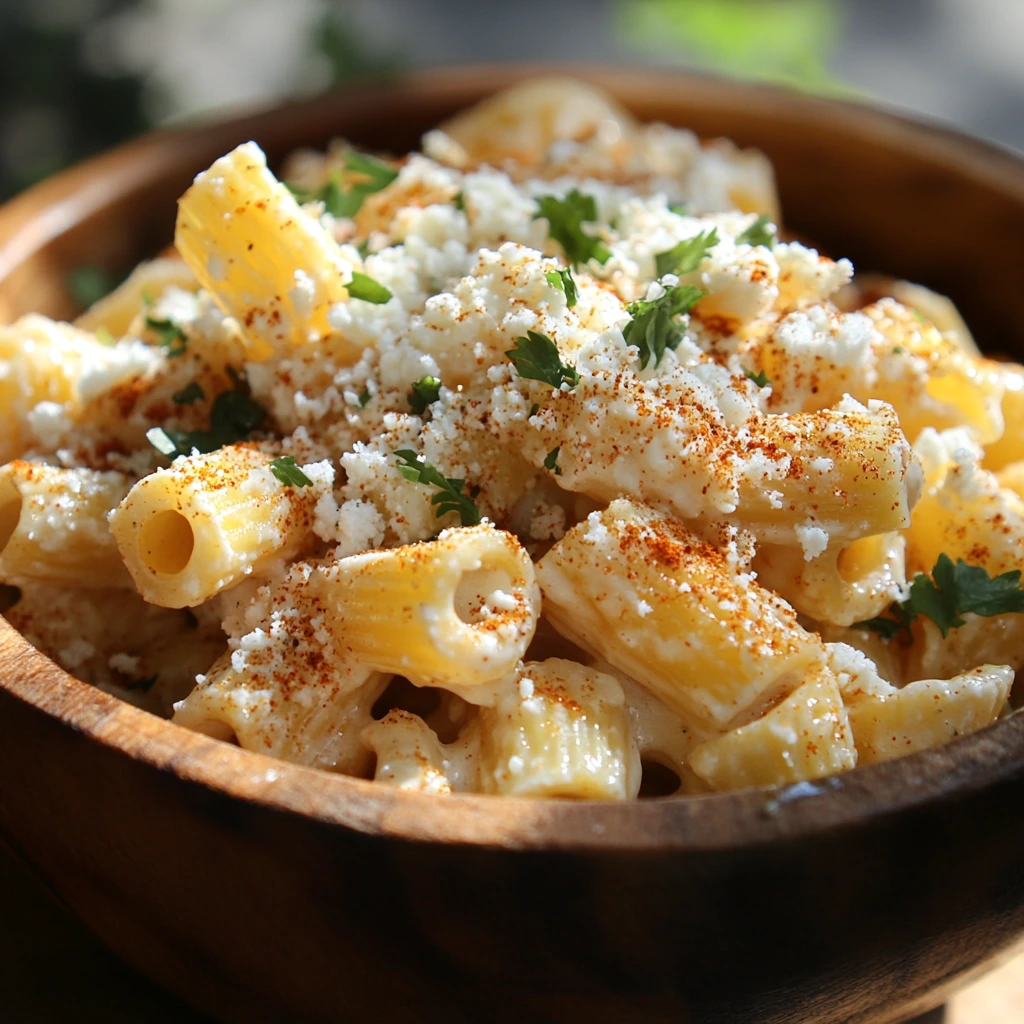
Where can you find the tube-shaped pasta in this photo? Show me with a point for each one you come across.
(807, 736)
(410, 756)
(842, 585)
(53, 525)
(190, 531)
(243, 234)
(457, 612)
(928, 712)
(115, 312)
(40, 361)
(1009, 448)
(559, 729)
(638, 588)
(306, 709)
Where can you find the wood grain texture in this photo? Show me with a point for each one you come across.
(263, 891)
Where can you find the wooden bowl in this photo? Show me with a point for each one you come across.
(261, 891)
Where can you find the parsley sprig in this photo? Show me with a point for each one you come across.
(289, 473)
(341, 200)
(536, 357)
(653, 328)
(169, 336)
(565, 219)
(761, 232)
(191, 392)
(362, 286)
(563, 281)
(449, 497)
(424, 392)
(952, 590)
(685, 257)
(234, 415)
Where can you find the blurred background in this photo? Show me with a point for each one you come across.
(79, 75)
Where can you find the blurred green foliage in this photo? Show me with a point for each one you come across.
(788, 42)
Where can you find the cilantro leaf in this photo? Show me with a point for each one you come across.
(364, 398)
(679, 209)
(565, 219)
(536, 357)
(551, 461)
(761, 232)
(288, 473)
(684, 257)
(449, 497)
(340, 201)
(653, 328)
(233, 416)
(364, 287)
(952, 590)
(761, 379)
(191, 392)
(424, 392)
(563, 281)
(169, 336)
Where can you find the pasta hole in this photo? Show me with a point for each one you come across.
(475, 588)
(166, 542)
(218, 730)
(10, 513)
(9, 597)
(656, 780)
(401, 694)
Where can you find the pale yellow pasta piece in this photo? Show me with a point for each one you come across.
(641, 590)
(41, 360)
(115, 312)
(842, 585)
(307, 710)
(807, 736)
(268, 263)
(457, 612)
(113, 639)
(998, 639)
(410, 755)
(1009, 447)
(53, 526)
(928, 712)
(559, 729)
(190, 531)
(521, 123)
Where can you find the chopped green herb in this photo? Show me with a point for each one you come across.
(536, 357)
(233, 416)
(169, 335)
(288, 473)
(145, 685)
(653, 328)
(147, 299)
(898, 350)
(190, 393)
(680, 209)
(363, 248)
(104, 336)
(952, 590)
(364, 398)
(90, 284)
(340, 201)
(918, 317)
(363, 287)
(760, 378)
(424, 392)
(551, 461)
(565, 219)
(685, 256)
(459, 202)
(562, 280)
(449, 497)
(534, 409)
(761, 232)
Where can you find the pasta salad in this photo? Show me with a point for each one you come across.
(536, 463)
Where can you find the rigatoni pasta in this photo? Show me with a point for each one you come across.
(538, 464)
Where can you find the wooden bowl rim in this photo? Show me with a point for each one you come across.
(712, 822)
